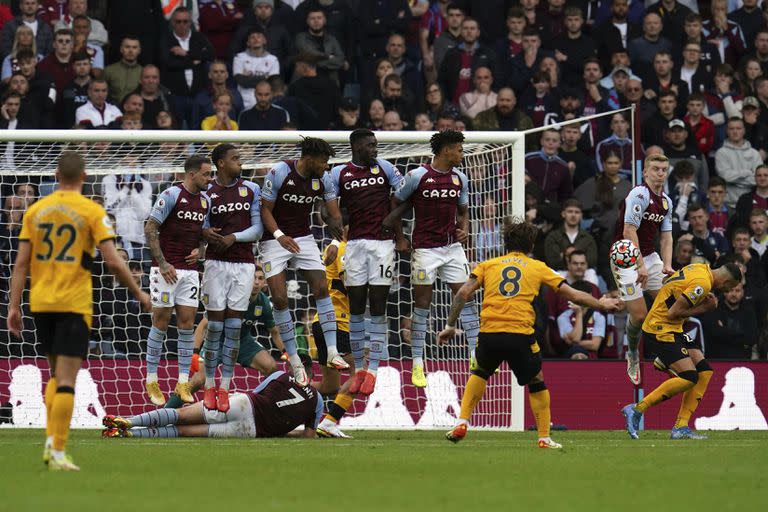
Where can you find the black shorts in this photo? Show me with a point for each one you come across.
(668, 351)
(342, 343)
(520, 351)
(62, 334)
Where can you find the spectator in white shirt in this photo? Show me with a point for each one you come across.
(253, 65)
(481, 97)
(98, 36)
(129, 198)
(97, 113)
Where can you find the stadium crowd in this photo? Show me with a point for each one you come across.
(697, 73)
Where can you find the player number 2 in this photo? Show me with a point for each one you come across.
(295, 400)
(193, 296)
(65, 231)
(510, 281)
(385, 271)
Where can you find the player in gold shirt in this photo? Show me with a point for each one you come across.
(57, 245)
(685, 293)
(510, 283)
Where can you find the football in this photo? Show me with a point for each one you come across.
(624, 254)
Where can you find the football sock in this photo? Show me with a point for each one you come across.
(155, 342)
(186, 346)
(633, 335)
(693, 396)
(378, 342)
(357, 339)
(159, 417)
(665, 391)
(212, 346)
(284, 324)
(174, 402)
(470, 323)
(540, 408)
(472, 395)
(61, 416)
(50, 393)
(339, 407)
(169, 431)
(418, 334)
(231, 349)
(327, 316)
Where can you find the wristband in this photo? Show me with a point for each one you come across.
(335, 243)
(277, 234)
(449, 326)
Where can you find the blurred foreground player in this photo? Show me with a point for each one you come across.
(510, 283)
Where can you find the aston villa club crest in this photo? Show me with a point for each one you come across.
(205, 299)
(257, 311)
(422, 274)
(243, 191)
(315, 185)
(455, 180)
(267, 267)
(375, 169)
(664, 203)
(165, 297)
(203, 202)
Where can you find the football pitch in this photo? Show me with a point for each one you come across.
(410, 471)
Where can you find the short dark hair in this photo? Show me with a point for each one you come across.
(195, 162)
(358, 134)
(81, 55)
(666, 94)
(442, 139)
(64, 32)
(220, 151)
(697, 96)
(734, 270)
(577, 252)
(695, 206)
(258, 268)
(519, 235)
(739, 231)
(312, 146)
(531, 31)
(717, 181)
(692, 17)
(71, 166)
(10, 95)
(571, 202)
(25, 54)
(573, 11)
(515, 12)
(683, 168)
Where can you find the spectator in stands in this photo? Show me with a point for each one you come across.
(569, 234)
(375, 115)
(723, 101)
(9, 120)
(549, 65)
(662, 79)
(702, 128)
(97, 113)
(757, 197)
(75, 93)
(754, 131)
(551, 21)
(736, 161)
(184, 55)
(28, 17)
(618, 143)
(504, 116)
(98, 35)
(396, 97)
(672, 15)
(219, 20)
(279, 40)
(423, 123)
(539, 98)
(129, 198)
(59, 63)
(455, 74)
(730, 330)
(548, 170)
(36, 112)
(481, 98)
(692, 71)
(581, 166)
(708, 246)
(319, 43)
(614, 34)
(573, 47)
(13, 212)
(41, 85)
(23, 40)
(750, 19)
(725, 33)
(710, 55)
(264, 115)
(750, 69)
(683, 255)
(133, 104)
(203, 105)
(742, 247)
(758, 225)
(123, 76)
(220, 120)
(139, 19)
(720, 214)
(130, 121)
(486, 232)
(678, 145)
(253, 65)
(643, 49)
(302, 115)
(520, 70)
(684, 191)
(157, 97)
(616, 84)
(436, 103)
(319, 92)
(449, 38)
(654, 127)
(759, 54)
(582, 329)
(381, 19)
(392, 122)
(349, 115)
(404, 67)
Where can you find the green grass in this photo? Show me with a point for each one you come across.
(412, 471)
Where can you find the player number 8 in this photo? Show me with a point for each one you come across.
(510, 281)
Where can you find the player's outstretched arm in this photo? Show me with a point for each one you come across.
(18, 280)
(152, 232)
(119, 269)
(307, 433)
(333, 219)
(683, 309)
(607, 304)
(274, 335)
(465, 293)
(666, 243)
(393, 223)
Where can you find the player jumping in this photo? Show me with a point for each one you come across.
(290, 191)
(510, 284)
(232, 225)
(643, 213)
(364, 186)
(174, 232)
(440, 199)
(686, 293)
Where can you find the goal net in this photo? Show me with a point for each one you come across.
(126, 171)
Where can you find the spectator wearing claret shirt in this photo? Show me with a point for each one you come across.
(219, 19)
(702, 127)
(548, 170)
(539, 98)
(581, 329)
(455, 74)
(59, 63)
(720, 214)
(81, 26)
(727, 33)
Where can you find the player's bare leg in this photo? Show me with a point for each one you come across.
(422, 298)
(185, 323)
(318, 285)
(284, 322)
(212, 347)
(470, 322)
(161, 317)
(264, 363)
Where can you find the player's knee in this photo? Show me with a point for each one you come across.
(690, 375)
(482, 373)
(536, 386)
(703, 366)
(280, 302)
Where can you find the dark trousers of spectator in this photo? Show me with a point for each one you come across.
(182, 105)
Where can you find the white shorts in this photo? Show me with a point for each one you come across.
(227, 284)
(626, 278)
(276, 258)
(238, 421)
(448, 263)
(369, 262)
(184, 292)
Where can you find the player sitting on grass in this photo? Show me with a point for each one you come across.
(510, 284)
(252, 353)
(686, 293)
(274, 409)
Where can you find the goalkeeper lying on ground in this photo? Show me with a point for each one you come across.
(274, 409)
